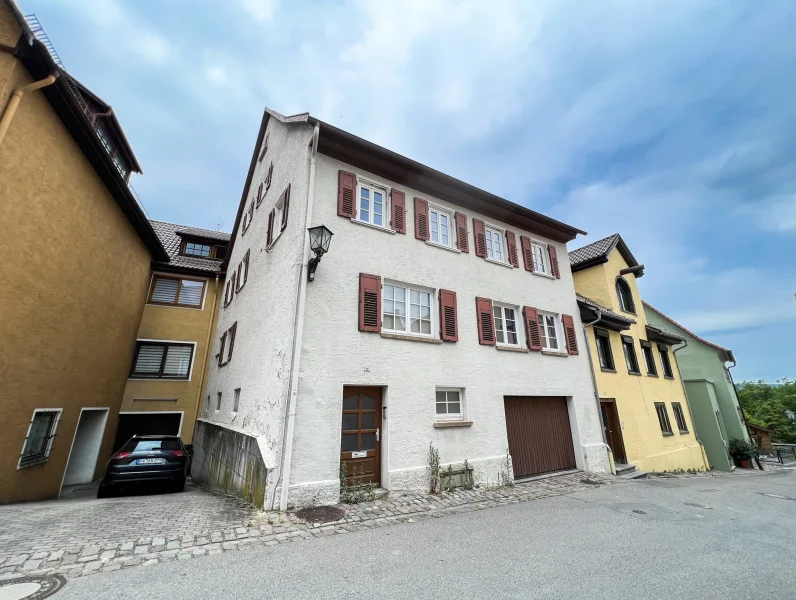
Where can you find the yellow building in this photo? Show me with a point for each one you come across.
(163, 392)
(645, 413)
(76, 273)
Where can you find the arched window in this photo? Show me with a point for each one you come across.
(625, 296)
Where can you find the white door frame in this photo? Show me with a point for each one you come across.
(74, 436)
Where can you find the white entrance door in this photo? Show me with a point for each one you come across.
(85, 446)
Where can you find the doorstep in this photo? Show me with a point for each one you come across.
(532, 478)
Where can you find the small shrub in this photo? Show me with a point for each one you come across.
(433, 469)
(358, 490)
(741, 449)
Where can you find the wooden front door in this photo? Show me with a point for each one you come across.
(540, 439)
(613, 430)
(360, 446)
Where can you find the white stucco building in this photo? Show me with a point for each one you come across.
(355, 366)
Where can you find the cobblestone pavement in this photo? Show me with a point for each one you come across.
(80, 537)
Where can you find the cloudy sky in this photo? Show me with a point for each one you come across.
(673, 123)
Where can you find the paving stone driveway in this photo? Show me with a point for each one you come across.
(80, 537)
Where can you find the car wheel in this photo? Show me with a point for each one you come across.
(103, 492)
(180, 485)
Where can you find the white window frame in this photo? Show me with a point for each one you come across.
(558, 329)
(49, 448)
(409, 287)
(440, 212)
(461, 416)
(517, 324)
(279, 209)
(545, 250)
(494, 231)
(385, 211)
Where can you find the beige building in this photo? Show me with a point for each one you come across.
(163, 392)
(77, 278)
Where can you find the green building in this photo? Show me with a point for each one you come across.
(715, 410)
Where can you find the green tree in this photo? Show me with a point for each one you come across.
(765, 405)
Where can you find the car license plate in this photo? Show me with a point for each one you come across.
(150, 461)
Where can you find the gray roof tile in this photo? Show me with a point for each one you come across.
(169, 235)
(596, 249)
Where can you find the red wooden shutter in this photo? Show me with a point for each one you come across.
(369, 302)
(421, 219)
(271, 217)
(461, 233)
(531, 317)
(285, 207)
(569, 333)
(554, 261)
(265, 147)
(398, 211)
(231, 332)
(486, 326)
(527, 252)
(246, 267)
(346, 192)
(269, 176)
(448, 320)
(220, 355)
(238, 277)
(260, 194)
(479, 237)
(512, 244)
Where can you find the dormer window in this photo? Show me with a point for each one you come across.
(196, 249)
(203, 249)
(625, 296)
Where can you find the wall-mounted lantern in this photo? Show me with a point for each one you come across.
(320, 238)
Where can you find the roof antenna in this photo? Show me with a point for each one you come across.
(220, 223)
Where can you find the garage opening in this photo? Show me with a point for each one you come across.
(155, 423)
(540, 438)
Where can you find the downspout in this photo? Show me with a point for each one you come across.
(688, 403)
(208, 347)
(16, 98)
(298, 334)
(735, 391)
(586, 326)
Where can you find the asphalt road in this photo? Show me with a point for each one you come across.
(707, 537)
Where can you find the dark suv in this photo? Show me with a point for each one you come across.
(147, 459)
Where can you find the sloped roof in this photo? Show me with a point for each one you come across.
(597, 253)
(663, 335)
(605, 311)
(170, 236)
(728, 352)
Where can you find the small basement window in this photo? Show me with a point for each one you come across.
(450, 403)
(41, 433)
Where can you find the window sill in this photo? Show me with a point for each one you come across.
(546, 275)
(686, 432)
(372, 226)
(451, 424)
(410, 338)
(604, 370)
(667, 377)
(635, 373)
(498, 262)
(666, 434)
(158, 379)
(165, 305)
(554, 353)
(652, 374)
(272, 244)
(510, 348)
(443, 246)
(33, 462)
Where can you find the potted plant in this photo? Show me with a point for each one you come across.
(742, 453)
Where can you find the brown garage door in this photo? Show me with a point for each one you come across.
(540, 439)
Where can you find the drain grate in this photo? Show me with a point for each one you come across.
(31, 588)
(321, 514)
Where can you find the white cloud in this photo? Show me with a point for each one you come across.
(153, 47)
(777, 214)
(261, 10)
(739, 318)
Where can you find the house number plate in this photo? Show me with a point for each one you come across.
(362, 454)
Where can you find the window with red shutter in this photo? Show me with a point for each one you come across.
(532, 333)
(512, 244)
(554, 261)
(346, 193)
(462, 242)
(527, 253)
(229, 291)
(569, 334)
(220, 355)
(247, 218)
(231, 335)
(265, 147)
(270, 236)
(242, 272)
(479, 237)
(398, 211)
(285, 205)
(269, 176)
(260, 193)
(369, 302)
(421, 219)
(448, 319)
(486, 326)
